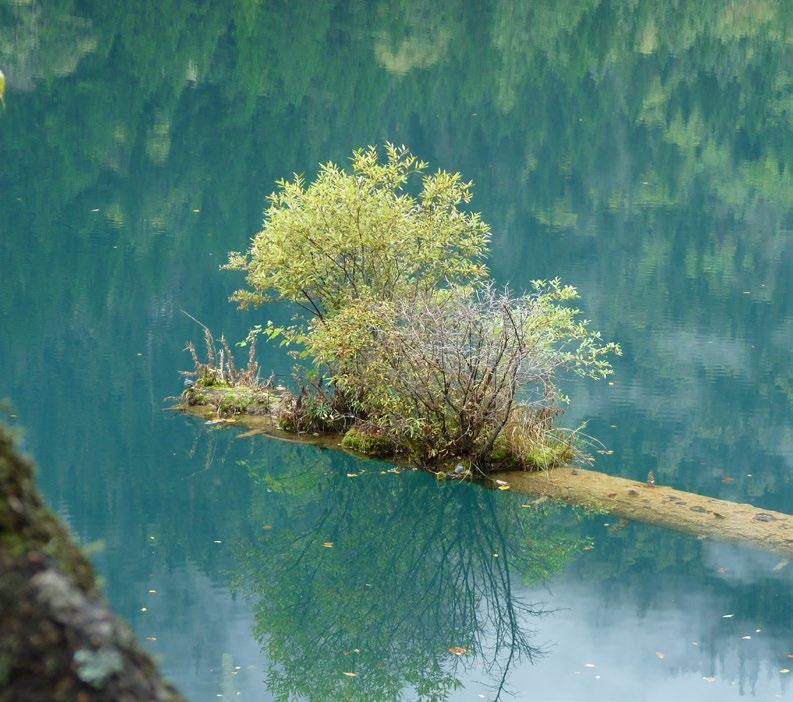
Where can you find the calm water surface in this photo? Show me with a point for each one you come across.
(641, 151)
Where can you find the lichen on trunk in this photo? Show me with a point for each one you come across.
(59, 640)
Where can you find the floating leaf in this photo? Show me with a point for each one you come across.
(728, 479)
(350, 674)
(782, 564)
(458, 651)
(589, 665)
(746, 638)
(503, 487)
(708, 678)
(784, 670)
(660, 655)
(328, 544)
(501, 482)
(727, 616)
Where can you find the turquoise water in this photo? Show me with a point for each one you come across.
(640, 151)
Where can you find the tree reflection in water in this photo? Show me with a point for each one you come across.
(360, 571)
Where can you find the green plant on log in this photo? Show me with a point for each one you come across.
(417, 347)
(460, 374)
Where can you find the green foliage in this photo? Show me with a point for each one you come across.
(414, 342)
(444, 375)
(359, 235)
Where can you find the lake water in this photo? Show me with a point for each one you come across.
(641, 151)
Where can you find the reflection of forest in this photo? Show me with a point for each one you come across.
(666, 128)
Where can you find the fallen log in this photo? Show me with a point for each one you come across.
(687, 512)
(59, 640)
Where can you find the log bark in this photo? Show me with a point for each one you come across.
(687, 512)
(59, 640)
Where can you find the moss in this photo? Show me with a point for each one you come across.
(59, 640)
(369, 443)
(548, 452)
(548, 455)
(228, 400)
(26, 524)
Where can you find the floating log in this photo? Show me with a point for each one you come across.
(687, 512)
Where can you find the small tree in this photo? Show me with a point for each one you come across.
(351, 236)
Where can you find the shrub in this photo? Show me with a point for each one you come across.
(350, 236)
(445, 373)
(416, 346)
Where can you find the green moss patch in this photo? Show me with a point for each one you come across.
(369, 443)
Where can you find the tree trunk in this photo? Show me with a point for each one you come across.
(59, 641)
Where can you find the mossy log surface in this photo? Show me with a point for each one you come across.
(59, 641)
(687, 512)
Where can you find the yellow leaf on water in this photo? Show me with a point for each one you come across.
(328, 544)
(503, 487)
(784, 670)
(457, 650)
(350, 675)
